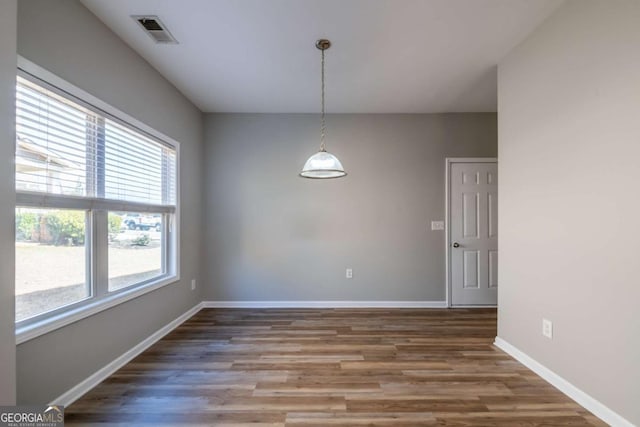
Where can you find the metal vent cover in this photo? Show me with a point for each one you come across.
(153, 26)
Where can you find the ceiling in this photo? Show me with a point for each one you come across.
(388, 56)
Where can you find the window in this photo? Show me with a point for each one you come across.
(96, 202)
(51, 260)
(135, 248)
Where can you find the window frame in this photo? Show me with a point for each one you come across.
(97, 209)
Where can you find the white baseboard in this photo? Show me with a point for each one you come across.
(594, 406)
(324, 304)
(83, 387)
(474, 306)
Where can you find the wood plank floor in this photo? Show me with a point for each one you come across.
(323, 367)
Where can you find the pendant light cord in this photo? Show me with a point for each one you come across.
(323, 125)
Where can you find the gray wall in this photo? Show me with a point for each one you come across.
(569, 144)
(7, 197)
(274, 236)
(65, 38)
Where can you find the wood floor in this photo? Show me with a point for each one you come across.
(322, 367)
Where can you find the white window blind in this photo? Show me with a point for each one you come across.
(137, 168)
(51, 146)
(68, 148)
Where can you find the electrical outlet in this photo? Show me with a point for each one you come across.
(547, 328)
(349, 273)
(193, 284)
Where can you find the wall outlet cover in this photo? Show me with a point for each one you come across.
(547, 328)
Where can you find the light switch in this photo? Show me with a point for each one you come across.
(437, 225)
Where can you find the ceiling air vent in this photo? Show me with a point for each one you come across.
(155, 28)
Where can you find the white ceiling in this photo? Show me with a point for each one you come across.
(388, 56)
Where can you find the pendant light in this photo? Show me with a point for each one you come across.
(322, 165)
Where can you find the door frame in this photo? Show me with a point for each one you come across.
(449, 161)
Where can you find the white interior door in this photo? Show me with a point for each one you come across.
(473, 236)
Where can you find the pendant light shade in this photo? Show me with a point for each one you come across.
(322, 165)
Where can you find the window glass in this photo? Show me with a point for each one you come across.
(51, 260)
(135, 248)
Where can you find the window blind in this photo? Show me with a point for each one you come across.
(51, 148)
(66, 148)
(136, 168)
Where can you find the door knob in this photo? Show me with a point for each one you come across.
(456, 245)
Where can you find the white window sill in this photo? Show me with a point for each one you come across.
(35, 329)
